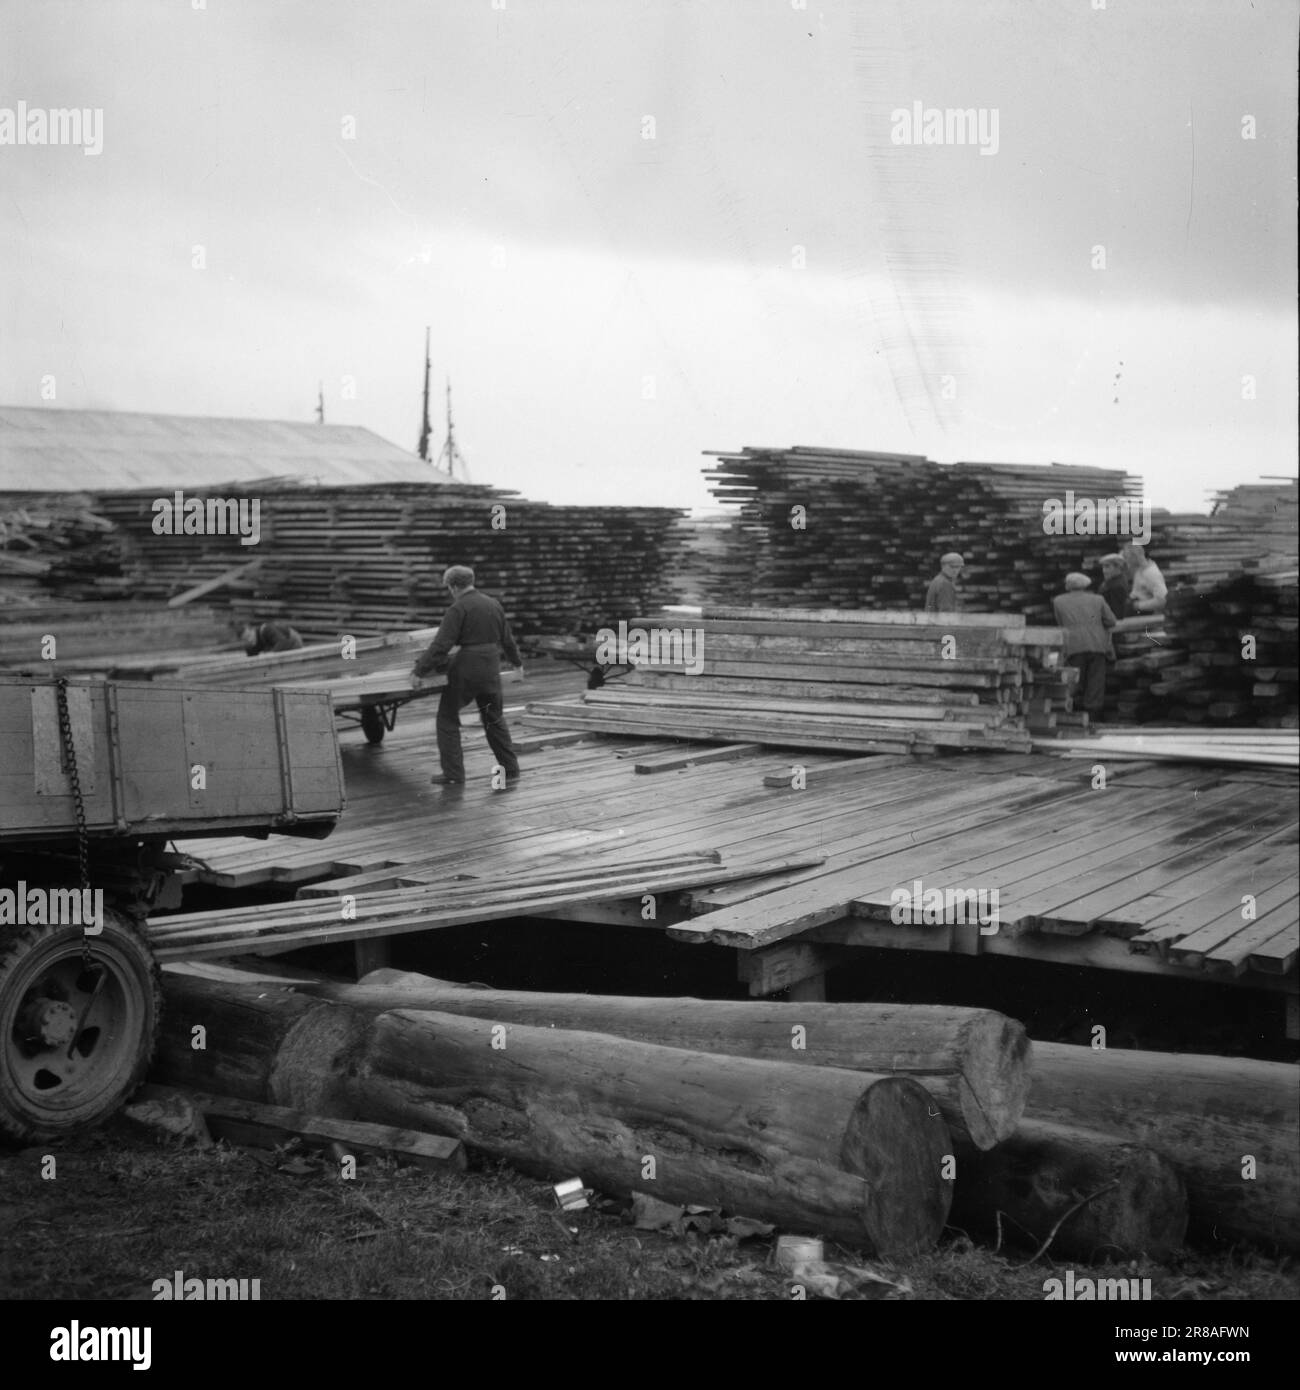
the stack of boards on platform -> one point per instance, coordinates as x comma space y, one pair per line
868, 682
845, 528
368, 560
52, 636
1226, 655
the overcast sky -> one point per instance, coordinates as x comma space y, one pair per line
772, 267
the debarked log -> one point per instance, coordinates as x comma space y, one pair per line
1114, 1199
1230, 1124
974, 1062
821, 1151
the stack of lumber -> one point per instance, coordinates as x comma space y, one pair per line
874, 682
1194, 668
1240, 747
873, 526
93, 636
57, 543
365, 560
444, 901
313, 662
1251, 528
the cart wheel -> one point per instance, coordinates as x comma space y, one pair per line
372, 724
74, 1041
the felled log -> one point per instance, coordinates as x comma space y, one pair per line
1136, 1201
815, 1150
257, 1043
844, 1154
1228, 1123
975, 1063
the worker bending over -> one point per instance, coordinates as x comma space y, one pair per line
1087, 621
474, 633
269, 637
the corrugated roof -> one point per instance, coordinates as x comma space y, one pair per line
59, 450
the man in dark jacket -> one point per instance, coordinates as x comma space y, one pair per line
1087, 621
468, 647
269, 637
1115, 584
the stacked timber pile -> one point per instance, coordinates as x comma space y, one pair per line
366, 560
54, 544
843, 528
1226, 655
875, 682
93, 636
1250, 528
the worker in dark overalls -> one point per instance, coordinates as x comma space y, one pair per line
269, 637
474, 633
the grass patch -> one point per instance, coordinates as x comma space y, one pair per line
126, 1208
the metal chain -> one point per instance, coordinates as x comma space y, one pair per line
78, 802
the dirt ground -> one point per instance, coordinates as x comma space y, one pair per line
125, 1207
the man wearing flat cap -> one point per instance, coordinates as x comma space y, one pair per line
942, 595
1087, 621
1115, 584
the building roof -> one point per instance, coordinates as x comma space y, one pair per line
56, 450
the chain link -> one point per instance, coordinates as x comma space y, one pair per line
78, 802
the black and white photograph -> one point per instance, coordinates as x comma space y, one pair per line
648, 653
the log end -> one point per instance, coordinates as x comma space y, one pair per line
1136, 1198
996, 1076
897, 1141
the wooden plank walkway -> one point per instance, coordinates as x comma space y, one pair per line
1182, 871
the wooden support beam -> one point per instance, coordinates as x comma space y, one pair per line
790, 965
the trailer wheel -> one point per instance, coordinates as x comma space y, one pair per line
74, 1041
372, 723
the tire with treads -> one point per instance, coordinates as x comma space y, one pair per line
372, 724
73, 1045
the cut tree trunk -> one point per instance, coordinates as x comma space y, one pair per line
1137, 1206
815, 1150
258, 1042
1229, 1124
844, 1154
974, 1062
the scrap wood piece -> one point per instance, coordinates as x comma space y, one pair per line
265, 1126
843, 771
672, 762
210, 585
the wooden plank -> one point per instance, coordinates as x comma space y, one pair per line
787, 964
831, 617
210, 585
673, 762
266, 1126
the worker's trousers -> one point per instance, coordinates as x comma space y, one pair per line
1092, 680
475, 674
